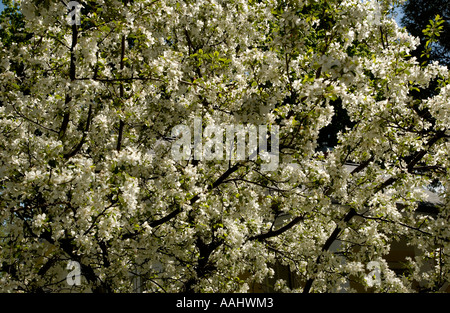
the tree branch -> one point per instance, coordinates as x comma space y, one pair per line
72, 75
279, 231
83, 138
334, 235
121, 94
393, 222
194, 199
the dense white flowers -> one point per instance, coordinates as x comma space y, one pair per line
87, 171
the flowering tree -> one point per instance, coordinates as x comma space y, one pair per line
88, 174
418, 13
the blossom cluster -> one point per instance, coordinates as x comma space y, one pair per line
87, 172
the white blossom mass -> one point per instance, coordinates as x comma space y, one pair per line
87, 174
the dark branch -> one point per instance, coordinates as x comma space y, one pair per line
334, 235
121, 94
279, 231
72, 75
194, 199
